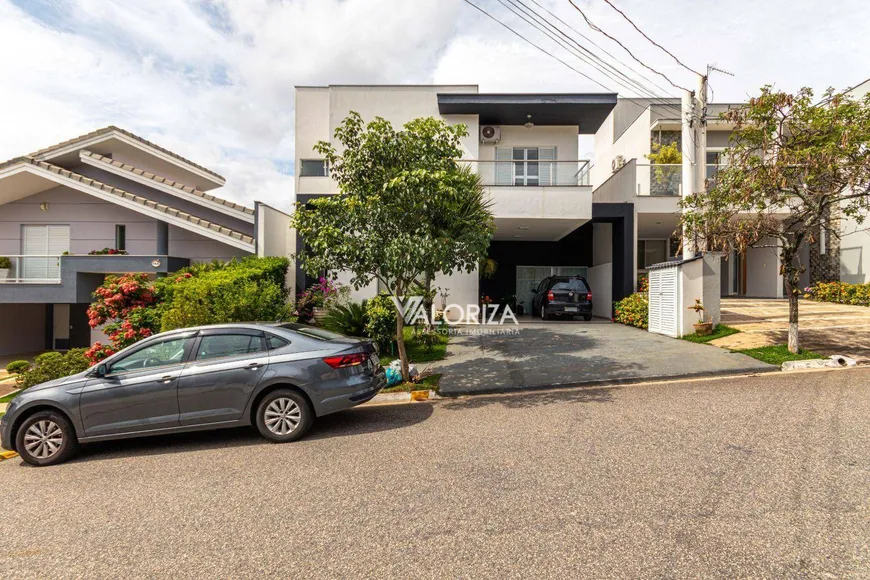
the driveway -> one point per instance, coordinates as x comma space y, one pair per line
543, 354
757, 477
824, 327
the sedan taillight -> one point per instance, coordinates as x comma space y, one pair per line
589, 296
550, 296
346, 360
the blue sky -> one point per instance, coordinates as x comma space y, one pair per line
213, 80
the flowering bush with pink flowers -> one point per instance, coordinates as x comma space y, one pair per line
125, 305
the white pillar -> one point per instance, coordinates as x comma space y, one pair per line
688, 152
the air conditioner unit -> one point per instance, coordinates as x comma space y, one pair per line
617, 163
490, 134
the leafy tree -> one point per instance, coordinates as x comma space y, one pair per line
793, 164
395, 219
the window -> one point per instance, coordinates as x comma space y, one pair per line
120, 237
275, 342
313, 168
651, 252
222, 345
167, 352
526, 166
572, 284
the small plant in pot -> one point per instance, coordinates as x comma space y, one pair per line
5, 265
701, 328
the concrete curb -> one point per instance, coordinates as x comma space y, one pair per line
610, 382
404, 397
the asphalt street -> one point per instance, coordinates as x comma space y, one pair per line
763, 477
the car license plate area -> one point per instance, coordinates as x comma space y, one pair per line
570, 309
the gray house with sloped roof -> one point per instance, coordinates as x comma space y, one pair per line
109, 189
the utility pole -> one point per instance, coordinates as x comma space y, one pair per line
687, 110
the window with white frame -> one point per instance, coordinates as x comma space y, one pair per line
525, 166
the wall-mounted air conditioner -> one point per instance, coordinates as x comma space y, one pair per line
617, 163
490, 134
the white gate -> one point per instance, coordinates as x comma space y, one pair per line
664, 301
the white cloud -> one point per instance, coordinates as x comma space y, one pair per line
214, 80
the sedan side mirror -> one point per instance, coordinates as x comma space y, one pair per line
102, 370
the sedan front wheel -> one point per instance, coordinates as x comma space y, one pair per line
284, 415
46, 438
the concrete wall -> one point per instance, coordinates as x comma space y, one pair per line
602, 243
22, 328
691, 287
633, 143
92, 227
600, 280
763, 279
564, 139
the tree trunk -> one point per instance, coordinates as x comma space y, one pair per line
793, 343
400, 343
428, 297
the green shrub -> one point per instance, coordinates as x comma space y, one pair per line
53, 365
247, 290
632, 310
5, 263
840, 292
381, 323
349, 319
17, 366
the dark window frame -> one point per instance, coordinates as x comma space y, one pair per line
121, 237
306, 168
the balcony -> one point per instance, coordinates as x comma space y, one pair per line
536, 200
72, 278
666, 179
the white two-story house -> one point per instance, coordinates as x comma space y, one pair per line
525, 147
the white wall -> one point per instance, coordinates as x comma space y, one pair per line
600, 280
691, 287
634, 143
854, 251
763, 279
461, 287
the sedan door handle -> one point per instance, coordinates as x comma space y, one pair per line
166, 378
254, 366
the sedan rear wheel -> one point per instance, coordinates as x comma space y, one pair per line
543, 312
284, 415
46, 438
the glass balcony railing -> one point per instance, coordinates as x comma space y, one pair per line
664, 179
534, 173
32, 270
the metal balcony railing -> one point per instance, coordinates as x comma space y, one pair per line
534, 173
663, 179
32, 270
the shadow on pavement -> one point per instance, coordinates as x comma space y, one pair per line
355, 421
522, 400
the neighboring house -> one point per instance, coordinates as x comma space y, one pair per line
525, 147
623, 174
109, 189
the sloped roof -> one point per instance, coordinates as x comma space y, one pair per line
159, 179
42, 153
120, 193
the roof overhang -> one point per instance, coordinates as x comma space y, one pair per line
664, 124
23, 177
585, 110
116, 142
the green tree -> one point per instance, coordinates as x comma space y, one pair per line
793, 163
402, 196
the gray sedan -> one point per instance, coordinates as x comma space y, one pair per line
276, 377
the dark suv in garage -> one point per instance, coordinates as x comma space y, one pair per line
563, 296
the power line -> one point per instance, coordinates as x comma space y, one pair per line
551, 55
642, 33
631, 86
597, 29
601, 48
637, 86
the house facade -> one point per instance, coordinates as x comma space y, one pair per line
525, 147
109, 189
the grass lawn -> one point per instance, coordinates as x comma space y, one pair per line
429, 382
416, 351
9, 397
776, 355
720, 331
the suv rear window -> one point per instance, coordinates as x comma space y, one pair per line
573, 284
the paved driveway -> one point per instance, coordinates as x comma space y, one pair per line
765, 477
572, 353
824, 327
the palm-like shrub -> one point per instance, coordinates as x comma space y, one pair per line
348, 319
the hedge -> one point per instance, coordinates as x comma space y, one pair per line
251, 289
839, 292
632, 310
53, 365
